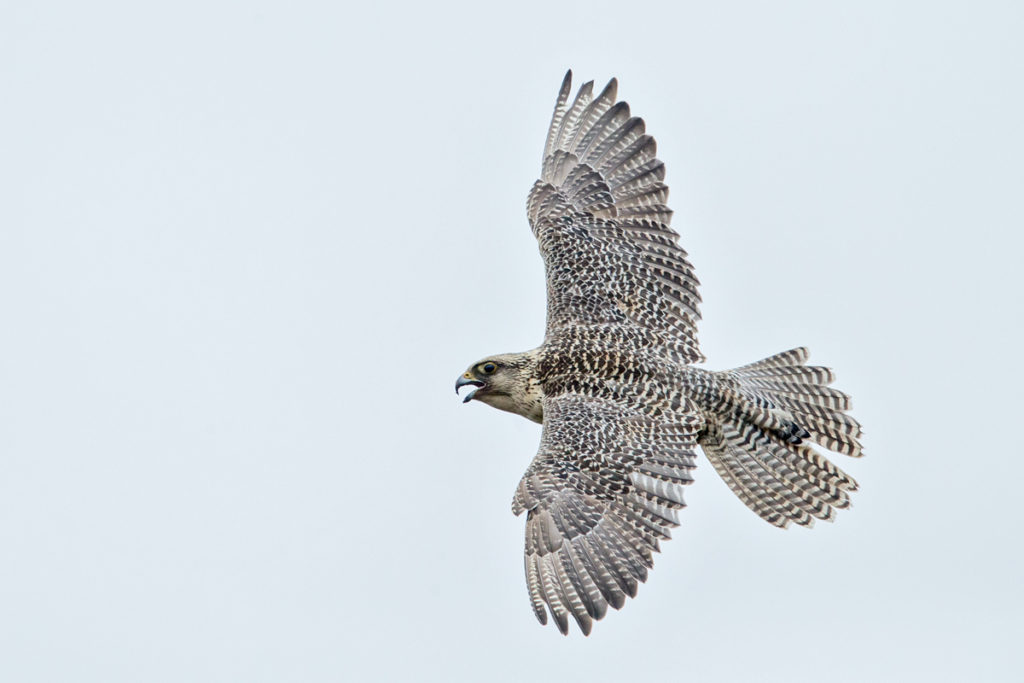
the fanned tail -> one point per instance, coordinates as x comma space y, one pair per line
758, 425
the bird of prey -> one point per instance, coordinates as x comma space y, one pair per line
615, 384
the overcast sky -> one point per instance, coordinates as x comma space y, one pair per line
246, 249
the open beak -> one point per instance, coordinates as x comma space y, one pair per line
463, 381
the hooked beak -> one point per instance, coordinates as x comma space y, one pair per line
463, 381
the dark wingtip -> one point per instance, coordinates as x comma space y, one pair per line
565, 88
611, 91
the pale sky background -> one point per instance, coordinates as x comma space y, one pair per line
246, 248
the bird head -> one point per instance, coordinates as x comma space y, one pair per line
488, 377
504, 382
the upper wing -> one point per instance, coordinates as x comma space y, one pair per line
599, 215
603, 489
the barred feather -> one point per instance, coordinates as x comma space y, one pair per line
764, 461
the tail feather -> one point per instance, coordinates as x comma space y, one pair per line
759, 421
799, 375
826, 397
762, 471
787, 489
803, 477
818, 469
797, 356
738, 480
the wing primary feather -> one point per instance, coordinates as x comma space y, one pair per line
553, 594
533, 583
593, 113
559, 114
572, 116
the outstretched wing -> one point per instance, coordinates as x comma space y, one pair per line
601, 493
600, 217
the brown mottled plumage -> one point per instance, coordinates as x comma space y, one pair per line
623, 407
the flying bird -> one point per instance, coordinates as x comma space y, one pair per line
615, 385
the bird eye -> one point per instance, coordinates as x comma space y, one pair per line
488, 368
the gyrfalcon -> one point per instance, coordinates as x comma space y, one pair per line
614, 383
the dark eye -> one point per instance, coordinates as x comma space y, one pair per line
488, 368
